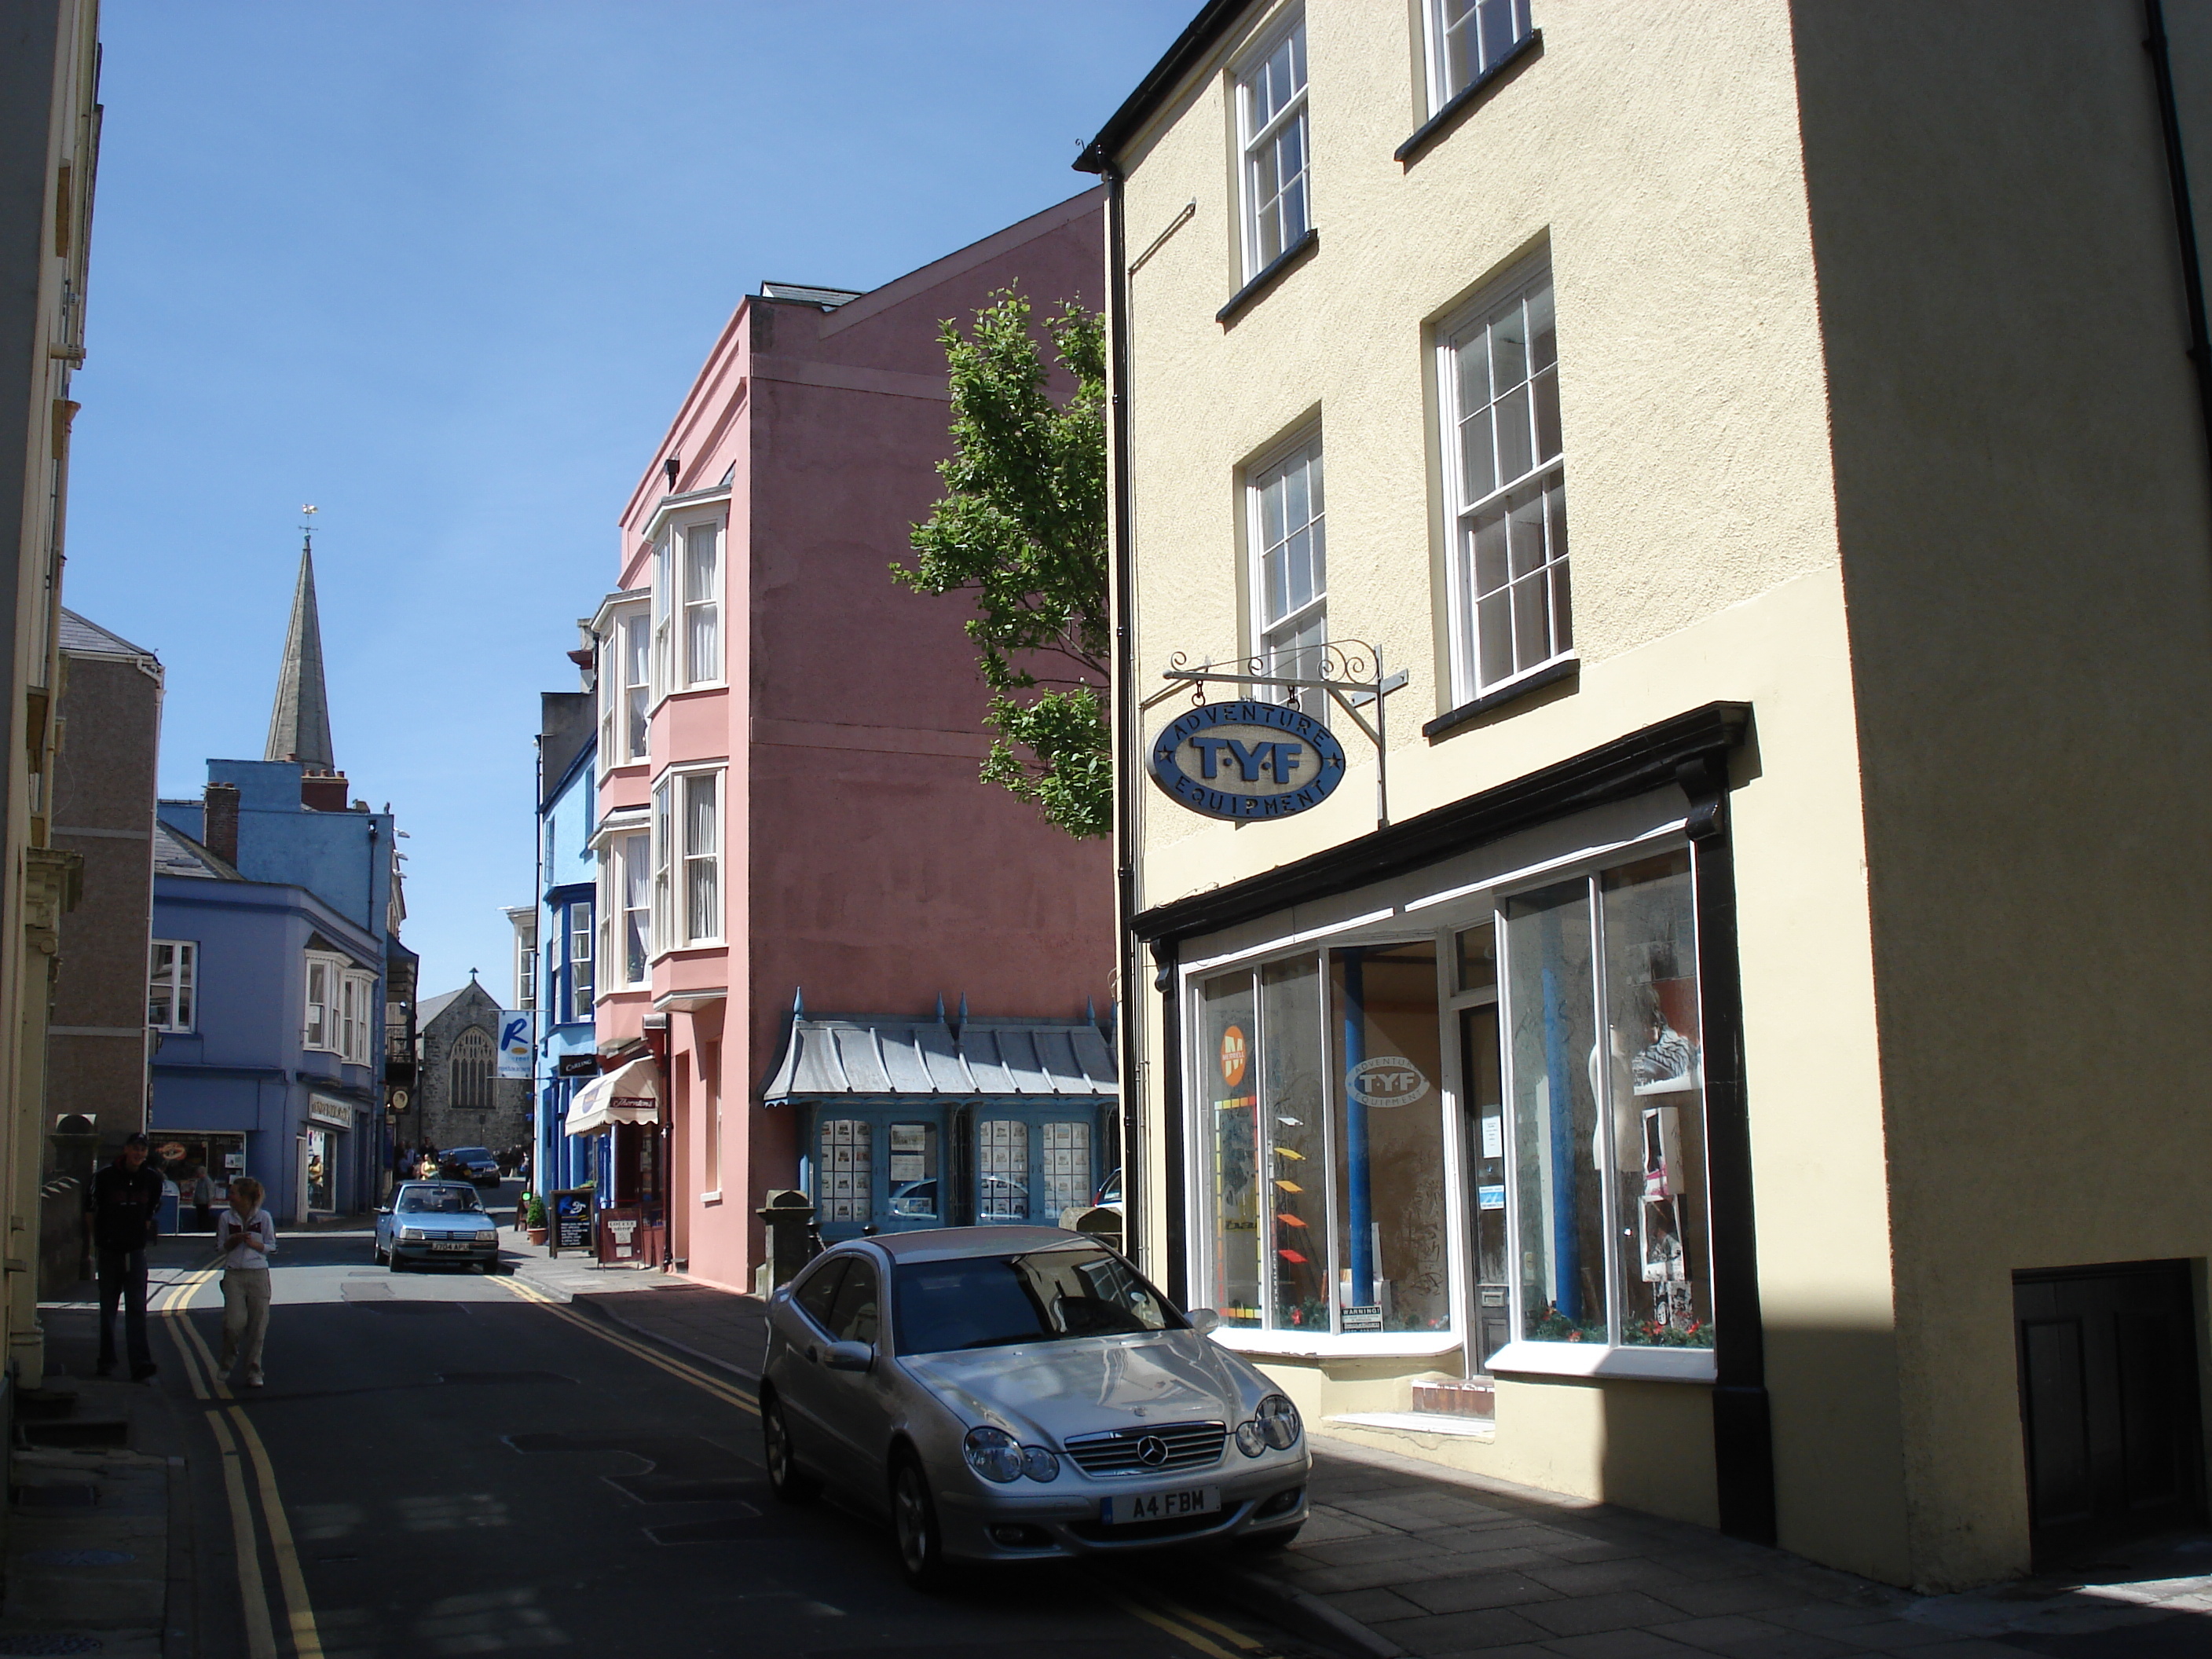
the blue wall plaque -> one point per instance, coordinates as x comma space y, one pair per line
1247, 760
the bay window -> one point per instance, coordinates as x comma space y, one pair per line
321, 1030
635, 877
626, 685
702, 607
687, 860
579, 985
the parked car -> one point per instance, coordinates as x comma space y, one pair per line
471, 1163
431, 1221
1015, 1394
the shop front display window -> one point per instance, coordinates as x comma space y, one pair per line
1066, 1169
1229, 1085
914, 1189
841, 1180
1608, 1109
1002, 1169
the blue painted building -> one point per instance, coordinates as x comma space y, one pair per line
276, 913
559, 937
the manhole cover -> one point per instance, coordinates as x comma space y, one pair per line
80, 1558
46, 1645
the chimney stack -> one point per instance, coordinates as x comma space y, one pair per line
325, 791
220, 811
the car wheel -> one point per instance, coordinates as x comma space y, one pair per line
377, 1251
1266, 1543
789, 1482
393, 1262
914, 1517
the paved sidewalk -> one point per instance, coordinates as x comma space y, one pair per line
718, 1326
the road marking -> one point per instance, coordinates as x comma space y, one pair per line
202, 1371
727, 1392
1175, 1627
260, 1638
307, 1641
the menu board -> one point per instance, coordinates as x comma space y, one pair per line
572, 1221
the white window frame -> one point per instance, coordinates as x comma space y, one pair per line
1465, 509
582, 920
525, 969
662, 682
674, 608
626, 683
357, 997
1485, 56
701, 607
1258, 134
1311, 615
677, 867
179, 974
320, 1031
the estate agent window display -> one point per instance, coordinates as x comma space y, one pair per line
1491, 1134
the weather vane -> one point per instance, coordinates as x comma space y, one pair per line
309, 528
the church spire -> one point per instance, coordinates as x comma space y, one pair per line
299, 725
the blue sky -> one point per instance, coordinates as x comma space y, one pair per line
444, 270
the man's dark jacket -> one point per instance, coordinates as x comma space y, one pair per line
126, 1206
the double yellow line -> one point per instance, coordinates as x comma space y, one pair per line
1208, 1636
230, 1436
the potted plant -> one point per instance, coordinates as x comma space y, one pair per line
535, 1213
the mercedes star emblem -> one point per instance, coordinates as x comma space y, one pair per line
1152, 1451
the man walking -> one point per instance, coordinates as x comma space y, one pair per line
124, 1203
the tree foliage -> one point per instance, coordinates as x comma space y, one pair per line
1023, 527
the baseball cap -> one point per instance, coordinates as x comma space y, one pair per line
135, 1138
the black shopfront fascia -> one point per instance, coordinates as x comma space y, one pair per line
1690, 751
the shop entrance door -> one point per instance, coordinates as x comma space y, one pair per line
1483, 1099
2108, 1403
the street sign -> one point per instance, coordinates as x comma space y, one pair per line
1247, 760
572, 1222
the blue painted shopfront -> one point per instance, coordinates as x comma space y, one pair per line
907, 1124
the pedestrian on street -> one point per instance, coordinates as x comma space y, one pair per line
124, 1206
245, 1238
204, 1201
401, 1162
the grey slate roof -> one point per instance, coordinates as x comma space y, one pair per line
90, 638
891, 1054
176, 854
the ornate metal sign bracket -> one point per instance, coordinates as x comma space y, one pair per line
1349, 675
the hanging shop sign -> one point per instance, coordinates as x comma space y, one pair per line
518, 1043
1247, 760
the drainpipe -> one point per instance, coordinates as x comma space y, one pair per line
2185, 216
1135, 1196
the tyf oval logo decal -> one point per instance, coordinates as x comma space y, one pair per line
1247, 760
1389, 1080
1233, 1055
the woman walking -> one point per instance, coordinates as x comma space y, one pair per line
245, 1238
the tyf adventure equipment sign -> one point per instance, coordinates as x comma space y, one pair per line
1247, 760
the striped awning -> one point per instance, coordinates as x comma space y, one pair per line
631, 1093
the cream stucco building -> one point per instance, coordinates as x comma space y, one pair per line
1749, 1063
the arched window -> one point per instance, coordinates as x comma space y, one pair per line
472, 1065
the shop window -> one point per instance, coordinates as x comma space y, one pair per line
1327, 1199
1607, 1111
1002, 1172
841, 1182
916, 1191
1067, 1168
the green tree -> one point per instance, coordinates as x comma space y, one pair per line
1023, 527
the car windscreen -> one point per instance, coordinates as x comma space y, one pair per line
1044, 1296
437, 1201
477, 1152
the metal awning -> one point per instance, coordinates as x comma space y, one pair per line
889, 1055
631, 1093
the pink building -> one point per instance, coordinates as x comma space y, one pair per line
787, 754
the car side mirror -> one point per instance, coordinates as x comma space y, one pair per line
385, 1210
1204, 1320
848, 1356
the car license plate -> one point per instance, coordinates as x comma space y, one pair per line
1161, 1505
449, 1244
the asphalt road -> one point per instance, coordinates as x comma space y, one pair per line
448, 1462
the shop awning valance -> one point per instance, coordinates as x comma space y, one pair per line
887, 1055
628, 1095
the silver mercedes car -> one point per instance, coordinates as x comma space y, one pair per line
1013, 1394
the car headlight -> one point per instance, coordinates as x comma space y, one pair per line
491, 1237
1039, 1464
994, 1454
1279, 1422
1251, 1439
416, 1233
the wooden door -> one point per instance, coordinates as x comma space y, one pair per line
2108, 1402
